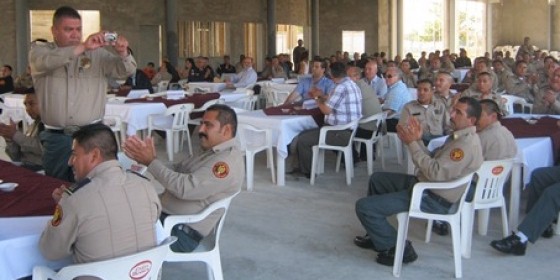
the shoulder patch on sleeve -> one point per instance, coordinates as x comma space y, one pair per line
456, 154
220, 169
57, 216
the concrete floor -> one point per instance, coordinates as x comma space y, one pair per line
300, 231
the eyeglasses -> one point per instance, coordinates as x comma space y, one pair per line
388, 76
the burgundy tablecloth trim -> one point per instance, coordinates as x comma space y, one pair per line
278, 111
197, 99
545, 127
33, 196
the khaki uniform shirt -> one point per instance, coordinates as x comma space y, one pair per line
200, 181
448, 101
370, 104
71, 89
497, 142
113, 215
409, 80
434, 117
496, 97
519, 87
540, 107
460, 155
26, 147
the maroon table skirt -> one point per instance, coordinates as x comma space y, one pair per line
544, 127
33, 195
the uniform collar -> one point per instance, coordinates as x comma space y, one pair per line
465, 131
102, 167
225, 145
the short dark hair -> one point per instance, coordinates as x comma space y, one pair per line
338, 70
226, 115
8, 66
324, 64
98, 136
65, 12
151, 64
473, 107
426, 81
490, 106
485, 74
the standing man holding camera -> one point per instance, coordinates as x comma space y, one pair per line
70, 78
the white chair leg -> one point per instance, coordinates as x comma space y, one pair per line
483, 217
402, 219
467, 220
558, 225
314, 164
321, 161
189, 141
169, 144
456, 236
270, 160
349, 166
429, 225
249, 169
369, 154
505, 228
338, 154
215, 269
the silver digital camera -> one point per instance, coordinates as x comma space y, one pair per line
111, 36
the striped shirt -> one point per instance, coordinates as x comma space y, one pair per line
345, 102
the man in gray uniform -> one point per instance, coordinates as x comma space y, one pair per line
197, 182
70, 78
389, 193
496, 140
108, 213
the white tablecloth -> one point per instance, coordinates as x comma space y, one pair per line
230, 96
16, 110
135, 115
19, 250
210, 87
284, 129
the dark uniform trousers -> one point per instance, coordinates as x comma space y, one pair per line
543, 203
57, 148
389, 194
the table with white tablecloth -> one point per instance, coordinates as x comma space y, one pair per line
532, 153
135, 115
284, 129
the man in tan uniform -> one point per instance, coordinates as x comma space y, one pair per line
496, 140
389, 193
547, 99
442, 85
431, 112
108, 213
520, 84
70, 78
197, 182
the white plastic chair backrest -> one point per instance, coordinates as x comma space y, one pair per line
180, 114
419, 188
141, 265
492, 176
208, 104
512, 99
113, 121
323, 133
224, 203
162, 86
250, 136
378, 119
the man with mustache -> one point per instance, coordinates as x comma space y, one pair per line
198, 181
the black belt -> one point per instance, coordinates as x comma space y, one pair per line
440, 200
69, 130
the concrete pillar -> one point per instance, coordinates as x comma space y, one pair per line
22, 36
171, 38
314, 28
271, 27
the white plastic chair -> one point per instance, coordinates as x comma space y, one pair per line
253, 141
246, 103
141, 265
375, 137
318, 163
175, 124
512, 99
208, 251
492, 176
162, 86
129, 164
202, 109
453, 219
116, 124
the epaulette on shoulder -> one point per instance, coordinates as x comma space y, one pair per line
77, 186
137, 174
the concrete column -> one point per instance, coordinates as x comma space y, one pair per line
171, 38
271, 27
314, 28
22, 36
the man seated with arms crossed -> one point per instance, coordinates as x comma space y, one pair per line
342, 106
108, 213
246, 77
317, 81
543, 205
429, 111
25, 147
196, 182
390, 193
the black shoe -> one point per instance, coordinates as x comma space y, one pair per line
388, 257
440, 228
548, 232
364, 242
510, 245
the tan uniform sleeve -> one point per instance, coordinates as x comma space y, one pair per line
198, 185
59, 236
44, 59
118, 67
28, 144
